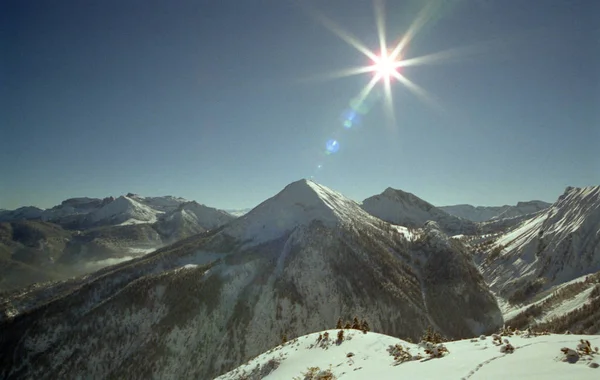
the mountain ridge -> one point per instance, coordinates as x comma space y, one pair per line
300, 275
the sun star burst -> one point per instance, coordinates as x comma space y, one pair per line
384, 67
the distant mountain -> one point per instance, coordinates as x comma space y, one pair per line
406, 209
557, 245
523, 208
82, 213
485, 213
22, 213
474, 213
85, 234
238, 212
206, 304
191, 218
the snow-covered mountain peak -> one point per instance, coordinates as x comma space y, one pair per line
299, 203
401, 195
123, 209
162, 203
406, 209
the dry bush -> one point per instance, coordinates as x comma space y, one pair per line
401, 354
429, 335
435, 350
315, 373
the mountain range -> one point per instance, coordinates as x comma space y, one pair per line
85, 234
485, 213
215, 297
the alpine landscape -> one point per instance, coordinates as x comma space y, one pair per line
195, 292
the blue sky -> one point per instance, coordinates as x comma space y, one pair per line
210, 100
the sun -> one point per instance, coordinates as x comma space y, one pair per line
385, 67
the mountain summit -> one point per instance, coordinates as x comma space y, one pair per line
406, 209
298, 204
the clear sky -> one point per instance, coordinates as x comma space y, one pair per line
218, 101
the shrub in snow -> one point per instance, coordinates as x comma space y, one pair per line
401, 354
507, 348
482, 337
364, 326
284, 339
496, 339
340, 337
594, 365
315, 373
259, 372
506, 331
434, 350
323, 341
356, 324
432, 336
584, 347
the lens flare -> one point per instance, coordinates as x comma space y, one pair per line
332, 146
385, 66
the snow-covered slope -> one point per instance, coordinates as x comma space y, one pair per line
555, 246
370, 356
165, 203
406, 209
191, 218
122, 210
206, 304
557, 302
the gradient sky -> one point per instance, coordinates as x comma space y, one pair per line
211, 100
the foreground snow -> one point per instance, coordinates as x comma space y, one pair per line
365, 356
